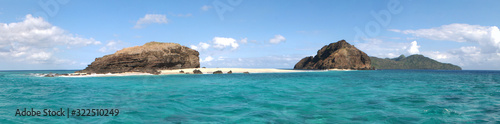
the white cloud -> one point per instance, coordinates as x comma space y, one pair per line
40, 56
437, 55
194, 47
214, 50
277, 39
200, 46
34, 40
244, 40
111, 46
468, 57
207, 59
218, 45
151, 18
413, 49
204, 45
206, 7
222, 42
382, 49
486, 36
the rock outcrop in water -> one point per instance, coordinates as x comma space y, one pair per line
150, 58
339, 55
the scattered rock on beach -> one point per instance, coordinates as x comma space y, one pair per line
217, 72
49, 75
196, 71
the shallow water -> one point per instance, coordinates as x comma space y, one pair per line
381, 96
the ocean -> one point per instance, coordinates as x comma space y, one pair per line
376, 96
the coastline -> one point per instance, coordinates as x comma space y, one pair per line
100, 75
233, 70
203, 70
340, 69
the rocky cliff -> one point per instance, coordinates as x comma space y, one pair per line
411, 62
339, 55
150, 58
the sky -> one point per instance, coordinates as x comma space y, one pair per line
70, 34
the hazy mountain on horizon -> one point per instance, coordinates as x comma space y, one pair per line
411, 62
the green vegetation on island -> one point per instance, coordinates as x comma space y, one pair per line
411, 62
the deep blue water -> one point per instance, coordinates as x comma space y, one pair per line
380, 96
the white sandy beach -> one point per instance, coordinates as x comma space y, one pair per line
103, 75
234, 70
203, 70
339, 69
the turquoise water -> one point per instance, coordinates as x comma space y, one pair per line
381, 96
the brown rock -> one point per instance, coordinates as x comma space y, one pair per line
339, 55
150, 58
196, 71
217, 72
230, 72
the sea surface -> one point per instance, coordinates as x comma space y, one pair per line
377, 96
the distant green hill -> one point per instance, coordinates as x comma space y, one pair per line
411, 62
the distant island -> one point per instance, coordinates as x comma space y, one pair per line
411, 62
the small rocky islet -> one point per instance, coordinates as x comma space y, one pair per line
148, 58
338, 55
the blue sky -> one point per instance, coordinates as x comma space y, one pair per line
70, 34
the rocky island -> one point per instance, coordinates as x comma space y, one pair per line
338, 55
149, 58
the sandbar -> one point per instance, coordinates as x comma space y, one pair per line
203, 70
